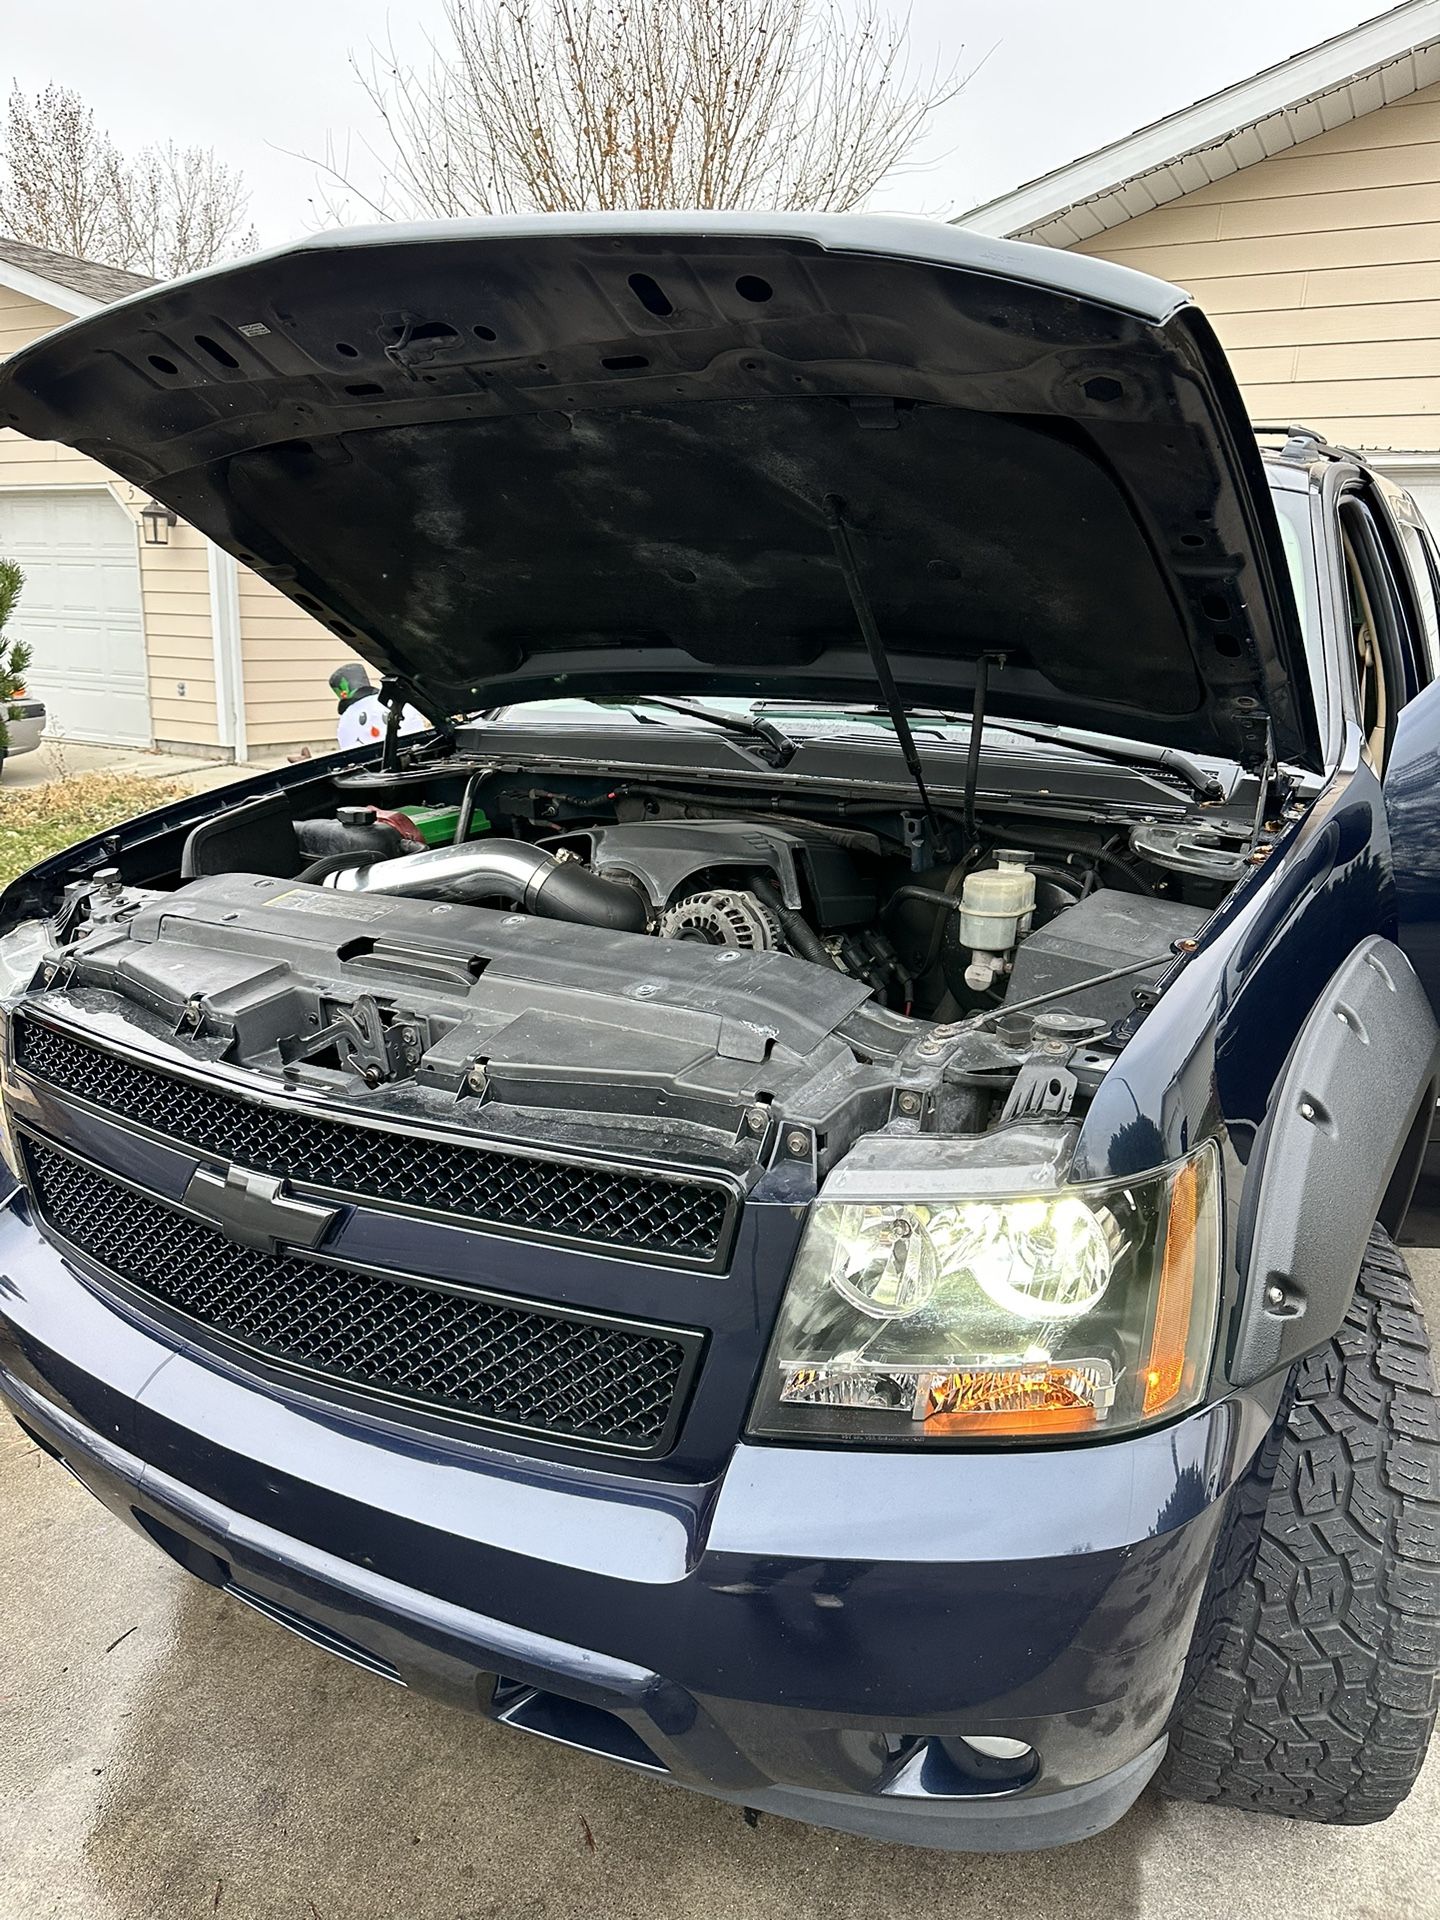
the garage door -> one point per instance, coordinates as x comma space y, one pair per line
80, 610
1423, 488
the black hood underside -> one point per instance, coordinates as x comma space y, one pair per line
517, 459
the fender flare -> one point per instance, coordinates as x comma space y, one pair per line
1338, 1141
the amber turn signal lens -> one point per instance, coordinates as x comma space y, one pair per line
1033, 1425
997, 1400
1165, 1368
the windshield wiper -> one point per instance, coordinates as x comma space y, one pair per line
742, 726
1104, 746
1100, 746
1126, 753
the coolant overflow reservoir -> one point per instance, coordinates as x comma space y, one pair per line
995, 908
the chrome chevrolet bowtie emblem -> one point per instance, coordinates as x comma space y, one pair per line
253, 1209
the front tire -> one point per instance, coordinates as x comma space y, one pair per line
1317, 1689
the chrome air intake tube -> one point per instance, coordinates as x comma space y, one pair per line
509, 870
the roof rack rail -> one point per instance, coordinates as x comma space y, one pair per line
1290, 426
1304, 444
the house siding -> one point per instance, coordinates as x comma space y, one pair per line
1320, 269
175, 595
286, 656
23, 320
288, 659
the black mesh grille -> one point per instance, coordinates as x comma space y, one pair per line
572, 1378
638, 1211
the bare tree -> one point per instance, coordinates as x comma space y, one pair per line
65, 184
548, 105
179, 208
54, 173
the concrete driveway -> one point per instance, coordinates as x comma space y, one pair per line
56, 760
165, 1753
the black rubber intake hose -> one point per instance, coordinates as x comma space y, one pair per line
800, 936
512, 870
329, 863
572, 892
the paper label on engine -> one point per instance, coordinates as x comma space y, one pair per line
317, 900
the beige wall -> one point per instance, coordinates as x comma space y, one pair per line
287, 656
23, 320
175, 593
288, 662
1321, 271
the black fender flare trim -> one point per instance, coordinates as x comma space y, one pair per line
1360, 1076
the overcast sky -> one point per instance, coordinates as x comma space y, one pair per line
1058, 78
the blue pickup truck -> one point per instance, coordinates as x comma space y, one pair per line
801, 1192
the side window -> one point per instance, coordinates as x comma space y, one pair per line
1385, 648
1418, 548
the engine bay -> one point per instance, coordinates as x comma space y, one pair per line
938, 942
653, 967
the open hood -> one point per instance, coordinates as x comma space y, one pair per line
507, 458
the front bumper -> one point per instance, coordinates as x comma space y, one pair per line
812, 1634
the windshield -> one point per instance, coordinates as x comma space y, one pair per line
792, 716
783, 724
576, 711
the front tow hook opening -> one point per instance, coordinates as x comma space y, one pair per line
572, 1723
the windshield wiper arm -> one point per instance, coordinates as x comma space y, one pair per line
1122, 752
1138, 753
742, 725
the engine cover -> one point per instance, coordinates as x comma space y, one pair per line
669, 859
586, 1037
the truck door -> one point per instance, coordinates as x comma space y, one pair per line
1392, 576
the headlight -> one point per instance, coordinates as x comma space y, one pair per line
1084, 1310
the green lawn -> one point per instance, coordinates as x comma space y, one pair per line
38, 821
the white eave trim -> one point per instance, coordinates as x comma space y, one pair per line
1399, 463
36, 287
1249, 121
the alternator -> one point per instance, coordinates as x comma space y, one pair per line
723, 920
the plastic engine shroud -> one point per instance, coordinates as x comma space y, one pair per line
666, 858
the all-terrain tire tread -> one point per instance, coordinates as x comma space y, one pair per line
1319, 1686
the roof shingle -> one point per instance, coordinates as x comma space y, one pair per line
89, 277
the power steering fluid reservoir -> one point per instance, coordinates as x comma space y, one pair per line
995, 909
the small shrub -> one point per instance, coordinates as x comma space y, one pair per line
14, 654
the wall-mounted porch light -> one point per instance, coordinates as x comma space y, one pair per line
158, 521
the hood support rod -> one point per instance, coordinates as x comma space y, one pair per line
977, 735
879, 659
396, 693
